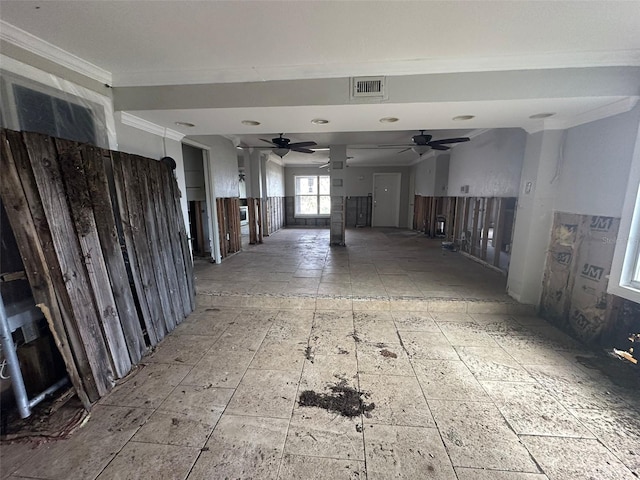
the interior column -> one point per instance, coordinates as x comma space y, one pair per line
337, 164
534, 217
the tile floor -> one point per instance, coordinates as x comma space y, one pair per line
465, 383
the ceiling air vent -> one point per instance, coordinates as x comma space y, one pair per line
368, 87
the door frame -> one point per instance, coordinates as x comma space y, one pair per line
398, 179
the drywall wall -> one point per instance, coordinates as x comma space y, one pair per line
432, 176
595, 163
490, 164
224, 164
275, 179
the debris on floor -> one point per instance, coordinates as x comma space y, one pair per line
51, 420
388, 354
308, 354
344, 400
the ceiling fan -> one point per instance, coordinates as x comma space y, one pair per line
422, 143
282, 146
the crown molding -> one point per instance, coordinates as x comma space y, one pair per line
150, 127
615, 108
42, 48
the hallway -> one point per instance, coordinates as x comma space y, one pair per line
449, 378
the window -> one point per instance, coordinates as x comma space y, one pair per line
35, 107
313, 196
625, 272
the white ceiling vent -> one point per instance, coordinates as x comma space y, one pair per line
368, 87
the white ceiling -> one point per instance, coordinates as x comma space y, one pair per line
143, 43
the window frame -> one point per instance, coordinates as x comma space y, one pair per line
624, 280
317, 195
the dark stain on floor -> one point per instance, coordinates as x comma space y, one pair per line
342, 399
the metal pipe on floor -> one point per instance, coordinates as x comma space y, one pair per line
42, 395
9, 350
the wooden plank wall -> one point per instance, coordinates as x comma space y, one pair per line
107, 296
229, 225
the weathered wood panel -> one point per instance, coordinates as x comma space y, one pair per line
84, 246
24, 210
145, 289
95, 160
46, 170
81, 209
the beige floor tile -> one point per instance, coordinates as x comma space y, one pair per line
382, 359
342, 301
493, 363
280, 355
398, 401
406, 453
448, 380
183, 349
476, 435
415, 321
595, 461
90, 449
149, 387
467, 334
265, 393
320, 433
531, 410
575, 389
376, 327
478, 474
618, 430
297, 467
138, 461
329, 370
332, 341
427, 346
242, 448
221, 367
172, 428
452, 317
197, 401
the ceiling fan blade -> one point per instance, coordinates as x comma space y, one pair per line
301, 150
439, 147
402, 151
449, 140
302, 144
269, 141
324, 165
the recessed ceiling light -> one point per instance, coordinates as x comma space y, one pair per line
251, 123
542, 115
462, 118
388, 120
319, 121
185, 124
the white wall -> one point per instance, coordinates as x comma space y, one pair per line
490, 164
224, 164
595, 166
275, 179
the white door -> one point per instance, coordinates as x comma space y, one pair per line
386, 199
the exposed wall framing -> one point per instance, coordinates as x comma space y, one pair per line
229, 225
479, 226
255, 220
274, 215
106, 257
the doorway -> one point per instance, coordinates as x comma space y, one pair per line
386, 199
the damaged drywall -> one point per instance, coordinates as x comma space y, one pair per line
577, 272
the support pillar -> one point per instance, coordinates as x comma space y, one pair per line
337, 165
534, 216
